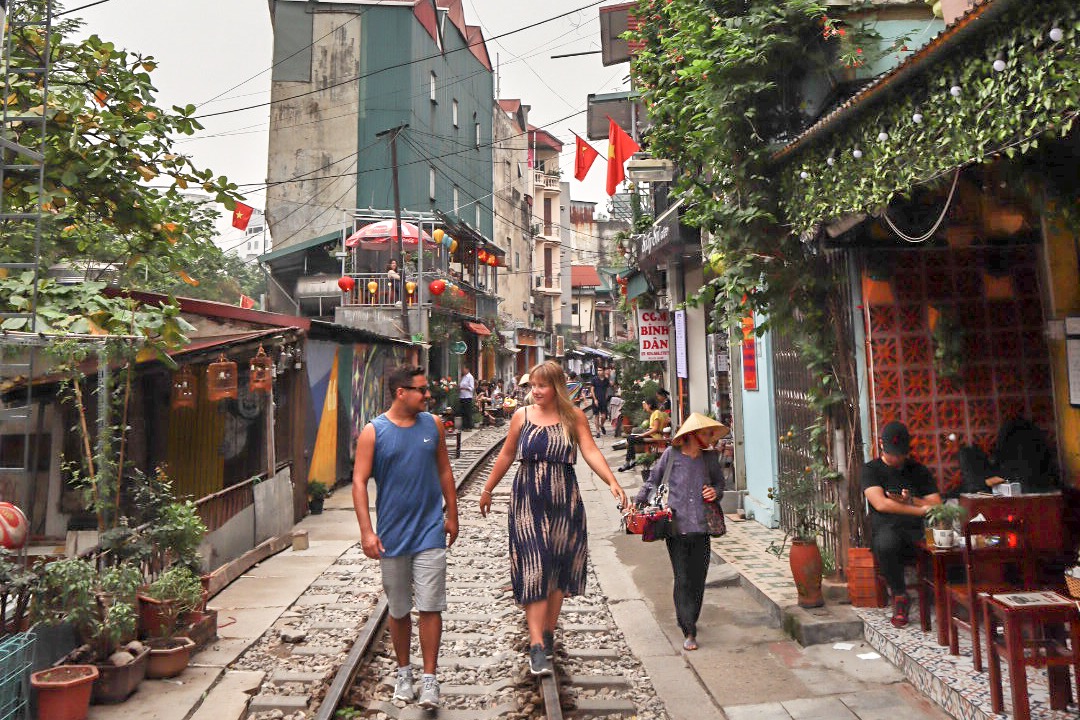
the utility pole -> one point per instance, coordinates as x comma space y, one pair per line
393, 133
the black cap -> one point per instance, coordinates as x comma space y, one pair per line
895, 438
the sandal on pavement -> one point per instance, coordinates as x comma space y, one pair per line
690, 643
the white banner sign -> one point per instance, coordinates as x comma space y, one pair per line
654, 333
680, 344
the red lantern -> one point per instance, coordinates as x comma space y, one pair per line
437, 287
14, 528
482, 256
221, 380
184, 388
492, 260
459, 292
260, 375
346, 283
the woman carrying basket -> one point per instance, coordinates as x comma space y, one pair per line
691, 470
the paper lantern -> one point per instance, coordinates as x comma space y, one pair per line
410, 287
261, 373
438, 235
437, 287
446, 241
492, 260
14, 529
453, 245
221, 380
482, 256
346, 283
184, 388
372, 286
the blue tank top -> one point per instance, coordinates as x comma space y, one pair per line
409, 501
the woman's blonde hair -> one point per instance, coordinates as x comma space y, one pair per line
551, 373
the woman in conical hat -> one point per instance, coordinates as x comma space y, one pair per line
695, 478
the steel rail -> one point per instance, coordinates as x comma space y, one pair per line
361, 649
549, 693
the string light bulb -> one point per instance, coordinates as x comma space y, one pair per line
999, 64
882, 136
917, 118
955, 91
1056, 34
830, 161
857, 153
804, 175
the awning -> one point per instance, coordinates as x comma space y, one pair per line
297, 247
596, 351
637, 285
477, 328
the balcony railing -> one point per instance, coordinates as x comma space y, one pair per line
548, 282
546, 181
375, 290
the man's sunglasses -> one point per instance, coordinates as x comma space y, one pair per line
423, 389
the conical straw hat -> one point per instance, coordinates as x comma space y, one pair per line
697, 421
524, 379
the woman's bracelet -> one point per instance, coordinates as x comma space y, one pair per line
485, 490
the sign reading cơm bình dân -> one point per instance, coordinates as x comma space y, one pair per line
654, 335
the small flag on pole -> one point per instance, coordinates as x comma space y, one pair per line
246, 302
584, 158
620, 147
241, 216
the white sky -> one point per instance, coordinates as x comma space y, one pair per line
217, 54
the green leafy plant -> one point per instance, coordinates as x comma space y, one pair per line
17, 583
177, 533
179, 591
944, 516
317, 490
948, 339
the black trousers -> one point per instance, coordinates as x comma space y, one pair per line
633, 447
466, 413
894, 547
690, 555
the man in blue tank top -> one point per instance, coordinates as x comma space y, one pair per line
404, 449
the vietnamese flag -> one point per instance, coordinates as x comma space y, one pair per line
584, 158
246, 302
241, 216
620, 147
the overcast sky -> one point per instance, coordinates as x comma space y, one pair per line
217, 54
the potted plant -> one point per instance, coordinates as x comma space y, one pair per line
317, 492
176, 591
100, 606
943, 519
798, 492
63, 693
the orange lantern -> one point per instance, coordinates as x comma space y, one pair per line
482, 256
372, 287
185, 388
492, 260
438, 235
221, 380
261, 373
410, 287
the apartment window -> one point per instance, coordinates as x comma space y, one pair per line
573, 308
476, 126
432, 88
477, 207
517, 261
454, 108
431, 182
457, 203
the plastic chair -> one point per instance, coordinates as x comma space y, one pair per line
1004, 565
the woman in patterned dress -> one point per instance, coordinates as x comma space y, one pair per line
548, 540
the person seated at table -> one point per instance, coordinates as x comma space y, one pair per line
900, 491
658, 420
1023, 454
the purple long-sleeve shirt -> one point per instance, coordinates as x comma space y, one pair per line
688, 477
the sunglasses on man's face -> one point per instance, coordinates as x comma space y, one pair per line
423, 389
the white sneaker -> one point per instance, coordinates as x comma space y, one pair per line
403, 688
429, 693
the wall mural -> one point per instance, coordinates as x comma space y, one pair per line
371, 363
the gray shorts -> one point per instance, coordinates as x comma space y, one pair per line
422, 575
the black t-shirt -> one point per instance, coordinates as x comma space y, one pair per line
914, 476
601, 388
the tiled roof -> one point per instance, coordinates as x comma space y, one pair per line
584, 276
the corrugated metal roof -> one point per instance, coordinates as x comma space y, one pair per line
919, 61
584, 276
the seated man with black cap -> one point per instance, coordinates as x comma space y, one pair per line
900, 491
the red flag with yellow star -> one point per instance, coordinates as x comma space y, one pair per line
584, 158
620, 147
242, 216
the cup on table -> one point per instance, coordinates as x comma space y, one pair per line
944, 538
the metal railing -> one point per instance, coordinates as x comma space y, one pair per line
549, 282
218, 508
375, 290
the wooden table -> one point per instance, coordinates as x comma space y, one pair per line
933, 565
1019, 654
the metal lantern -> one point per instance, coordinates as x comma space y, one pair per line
184, 388
261, 372
221, 380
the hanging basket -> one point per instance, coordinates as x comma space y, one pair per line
185, 388
221, 380
261, 372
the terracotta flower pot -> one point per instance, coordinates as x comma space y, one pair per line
807, 569
168, 656
116, 683
151, 617
64, 692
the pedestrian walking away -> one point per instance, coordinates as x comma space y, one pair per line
601, 389
691, 470
466, 389
900, 491
548, 537
404, 449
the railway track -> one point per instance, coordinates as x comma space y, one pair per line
483, 661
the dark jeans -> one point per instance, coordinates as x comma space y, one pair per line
690, 555
633, 446
894, 547
466, 413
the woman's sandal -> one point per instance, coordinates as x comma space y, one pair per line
690, 643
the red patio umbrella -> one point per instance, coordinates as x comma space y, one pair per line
379, 235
